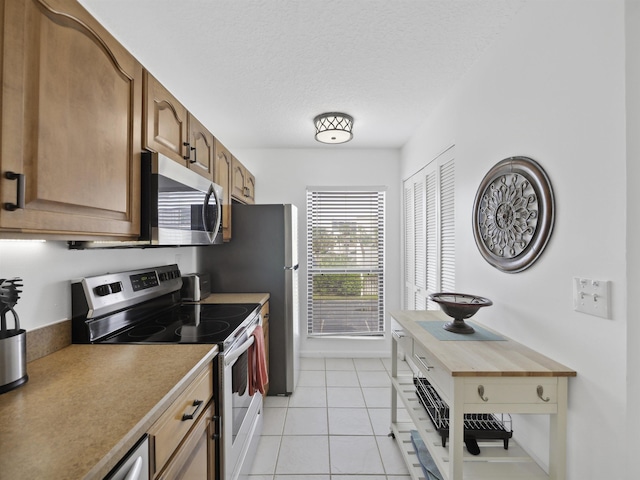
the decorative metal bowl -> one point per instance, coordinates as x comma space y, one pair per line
459, 306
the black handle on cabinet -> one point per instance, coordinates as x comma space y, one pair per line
20, 177
191, 416
189, 150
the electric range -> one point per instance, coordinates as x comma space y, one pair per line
144, 307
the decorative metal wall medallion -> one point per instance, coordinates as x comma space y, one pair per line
513, 214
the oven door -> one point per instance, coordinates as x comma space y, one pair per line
242, 414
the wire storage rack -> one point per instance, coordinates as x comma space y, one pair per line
477, 426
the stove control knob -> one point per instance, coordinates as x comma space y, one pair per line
115, 287
102, 290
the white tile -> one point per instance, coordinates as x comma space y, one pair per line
301, 477
308, 397
264, 462
354, 455
391, 456
349, 421
380, 420
276, 401
260, 477
354, 477
368, 364
345, 397
377, 397
303, 455
339, 364
309, 363
311, 378
342, 379
273, 420
306, 421
374, 379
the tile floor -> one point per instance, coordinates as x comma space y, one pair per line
333, 427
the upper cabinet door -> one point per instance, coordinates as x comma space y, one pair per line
222, 177
200, 150
165, 121
71, 113
243, 183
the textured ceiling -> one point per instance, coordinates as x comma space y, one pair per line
256, 72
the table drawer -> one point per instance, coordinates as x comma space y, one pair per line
175, 422
511, 391
405, 341
432, 370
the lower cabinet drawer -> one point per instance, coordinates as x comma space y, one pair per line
194, 458
170, 429
499, 391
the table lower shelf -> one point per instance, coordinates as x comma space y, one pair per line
493, 463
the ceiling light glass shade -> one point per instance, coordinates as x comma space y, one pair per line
333, 127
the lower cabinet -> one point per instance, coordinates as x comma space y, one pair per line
182, 443
195, 458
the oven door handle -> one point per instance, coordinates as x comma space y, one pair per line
233, 356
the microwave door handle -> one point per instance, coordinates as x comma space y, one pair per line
212, 234
233, 356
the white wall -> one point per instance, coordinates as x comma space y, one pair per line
282, 177
48, 268
552, 88
633, 224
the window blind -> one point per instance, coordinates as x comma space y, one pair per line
345, 262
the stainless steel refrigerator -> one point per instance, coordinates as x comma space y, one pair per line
262, 256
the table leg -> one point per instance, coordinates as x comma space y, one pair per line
456, 431
558, 435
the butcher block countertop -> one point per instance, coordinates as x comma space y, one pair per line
468, 358
260, 298
85, 406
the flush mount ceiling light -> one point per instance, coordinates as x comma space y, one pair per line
333, 127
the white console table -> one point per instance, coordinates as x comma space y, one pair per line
500, 376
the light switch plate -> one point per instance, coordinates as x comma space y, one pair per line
592, 296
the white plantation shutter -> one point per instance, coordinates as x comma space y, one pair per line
431, 246
447, 228
345, 261
409, 247
429, 243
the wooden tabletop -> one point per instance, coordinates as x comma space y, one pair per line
469, 358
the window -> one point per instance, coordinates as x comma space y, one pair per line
345, 261
429, 232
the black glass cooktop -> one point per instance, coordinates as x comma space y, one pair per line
189, 323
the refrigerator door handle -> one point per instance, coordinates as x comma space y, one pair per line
295, 267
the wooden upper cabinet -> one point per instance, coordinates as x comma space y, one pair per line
165, 121
222, 176
243, 183
171, 130
200, 149
71, 131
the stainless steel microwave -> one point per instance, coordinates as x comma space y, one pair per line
178, 207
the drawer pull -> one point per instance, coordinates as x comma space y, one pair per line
481, 393
190, 416
422, 361
540, 391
